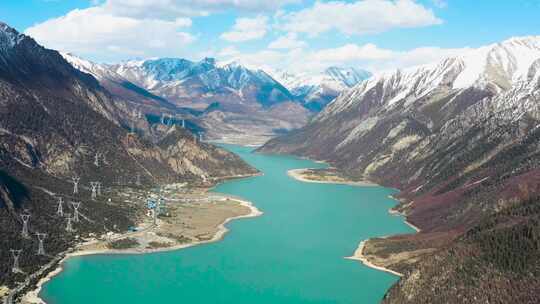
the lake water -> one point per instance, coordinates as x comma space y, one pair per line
294, 253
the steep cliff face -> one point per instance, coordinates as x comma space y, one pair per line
459, 137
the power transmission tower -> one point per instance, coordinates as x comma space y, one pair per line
16, 254
60, 210
76, 206
69, 226
41, 237
25, 217
75, 180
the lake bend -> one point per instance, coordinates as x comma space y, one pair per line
294, 253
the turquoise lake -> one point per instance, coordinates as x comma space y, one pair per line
294, 253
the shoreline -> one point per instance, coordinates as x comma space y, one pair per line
33, 295
359, 256
397, 213
251, 144
297, 174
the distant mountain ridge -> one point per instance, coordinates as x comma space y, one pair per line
177, 79
316, 91
461, 139
245, 101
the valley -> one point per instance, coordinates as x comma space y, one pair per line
295, 251
415, 180
86, 147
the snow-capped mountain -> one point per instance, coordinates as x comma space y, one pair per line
236, 100
347, 76
120, 86
228, 100
316, 91
8, 37
491, 69
403, 127
197, 83
459, 137
99, 71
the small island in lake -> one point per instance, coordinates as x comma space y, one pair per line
325, 175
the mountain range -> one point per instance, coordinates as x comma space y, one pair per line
460, 139
228, 100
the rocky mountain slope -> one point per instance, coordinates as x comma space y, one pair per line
56, 123
460, 138
316, 91
120, 87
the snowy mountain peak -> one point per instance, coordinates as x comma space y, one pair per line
501, 63
209, 61
348, 76
492, 69
533, 41
9, 37
77, 62
317, 90
181, 79
99, 71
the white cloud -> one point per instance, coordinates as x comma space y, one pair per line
265, 59
359, 17
373, 58
424, 55
367, 56
352, 52
245, 29
118, 29
289, 41
228, 52
96, 33
170, 9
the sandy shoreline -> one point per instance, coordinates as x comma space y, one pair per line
297, 174
33, 296
359, 256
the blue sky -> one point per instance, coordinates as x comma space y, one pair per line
287, 34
